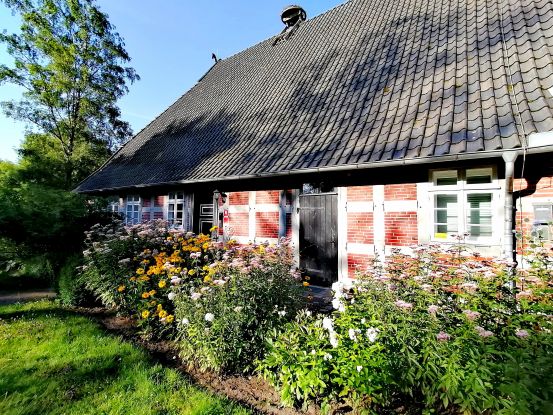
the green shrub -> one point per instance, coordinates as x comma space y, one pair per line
225, 319
440, 331
71, 288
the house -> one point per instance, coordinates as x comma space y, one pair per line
376, 125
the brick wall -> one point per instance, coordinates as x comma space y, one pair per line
271, 197
401, 228
266, 224
358, 262
239, 198
239, 224
360, 193
360, 228
406, 191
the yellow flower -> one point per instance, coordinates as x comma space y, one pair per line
214, 228
162, 283
145, 295
205, 245
144, 278
207, 279
159, 307
140, 271
191, 272
153, 292
121, 288
133, 279
169, 318
162, 313
145, 314
305, 284
153, 303
169, 238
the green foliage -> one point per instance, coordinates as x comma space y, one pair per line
71, 288
224, 321
440, 330
70, 62
55, 361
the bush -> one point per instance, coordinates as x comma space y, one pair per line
225, 318
71, 288
441, 330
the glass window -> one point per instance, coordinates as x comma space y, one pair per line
446, 215
179, 210
466, 205
132, 210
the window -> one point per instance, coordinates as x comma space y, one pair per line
179, 210
113, 205
463, 203
543, 219
132, 210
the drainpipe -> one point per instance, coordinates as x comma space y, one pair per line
509, 252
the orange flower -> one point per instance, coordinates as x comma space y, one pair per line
121, 288
145, 295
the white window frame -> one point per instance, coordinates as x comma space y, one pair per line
113, 206
133, 206
462, 189
187, 200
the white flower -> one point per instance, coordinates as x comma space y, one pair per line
372, 334
363, 320
195, 296
313, 352
333, 339
336, 303
209, 317
171, 296
327, 356
328, 324
359, 368
352, 334
237, 309
185, 321
282, 313
308, 313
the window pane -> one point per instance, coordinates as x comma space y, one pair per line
479, 176
445, 178
479, 215
445, 216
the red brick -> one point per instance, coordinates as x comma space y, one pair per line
401, 228
404, 191
360, 194
360, 228
239, 198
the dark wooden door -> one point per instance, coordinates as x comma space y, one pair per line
319, 237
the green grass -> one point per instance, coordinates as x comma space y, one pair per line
53, 361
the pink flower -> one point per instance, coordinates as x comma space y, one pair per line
522, 333
482, 332
442, 336
433, 309
471, 315
524, 294
403, 304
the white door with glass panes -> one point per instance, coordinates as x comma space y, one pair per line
180, 206
465, 203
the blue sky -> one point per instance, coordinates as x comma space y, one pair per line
170, 43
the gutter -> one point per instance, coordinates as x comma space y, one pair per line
546, 139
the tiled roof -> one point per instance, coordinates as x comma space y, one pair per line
366, 82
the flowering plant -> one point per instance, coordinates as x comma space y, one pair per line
225, 317
137, 268
443, 329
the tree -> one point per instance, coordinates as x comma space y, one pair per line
69, 61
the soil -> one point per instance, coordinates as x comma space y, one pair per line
251, 391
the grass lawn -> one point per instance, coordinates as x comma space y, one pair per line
53, 361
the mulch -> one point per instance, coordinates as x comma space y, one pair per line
250, 391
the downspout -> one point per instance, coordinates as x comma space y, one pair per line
509, 252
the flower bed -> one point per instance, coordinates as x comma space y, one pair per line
442, 329
218, 301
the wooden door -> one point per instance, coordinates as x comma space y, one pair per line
319, 237
203, 213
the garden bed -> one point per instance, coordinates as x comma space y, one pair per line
251, 391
